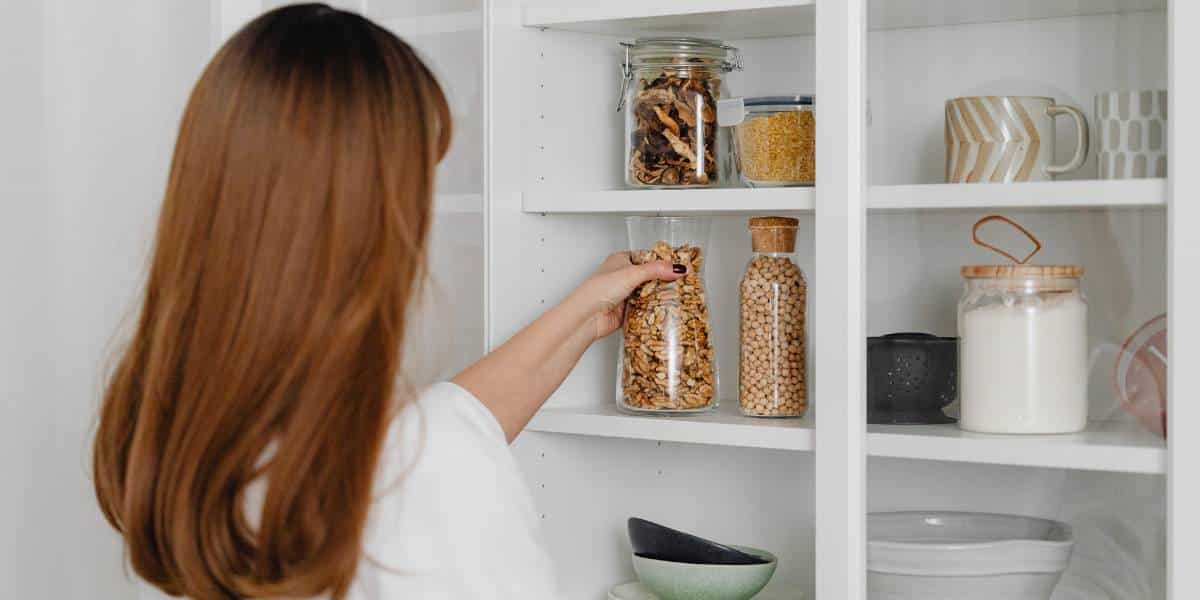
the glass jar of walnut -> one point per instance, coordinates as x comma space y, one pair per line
772, 295
669, 93
667, 364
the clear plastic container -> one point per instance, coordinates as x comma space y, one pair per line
774, 139
773, 294
667, 363
669, 93
1023, 353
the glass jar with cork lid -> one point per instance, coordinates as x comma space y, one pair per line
772, 294
1023, 348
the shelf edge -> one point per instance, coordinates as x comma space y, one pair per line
673, 429
556, 13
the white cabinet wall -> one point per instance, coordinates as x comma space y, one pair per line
92, 94
532, 197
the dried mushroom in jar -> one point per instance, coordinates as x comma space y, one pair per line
667, 361
673, 129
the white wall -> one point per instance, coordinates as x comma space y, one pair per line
90, 102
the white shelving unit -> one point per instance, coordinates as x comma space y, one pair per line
745, 19
704, 18
881, 241
707, 201
1115, 446
1105, 446
723, 427
1131, 193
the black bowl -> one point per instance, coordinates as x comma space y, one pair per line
651, 540
911, 377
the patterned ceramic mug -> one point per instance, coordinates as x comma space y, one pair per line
1002, 139
1133, 134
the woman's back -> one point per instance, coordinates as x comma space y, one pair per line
451, 517
291, 240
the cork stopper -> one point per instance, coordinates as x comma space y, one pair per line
773, 234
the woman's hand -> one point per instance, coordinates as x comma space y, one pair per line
516, 378
604, 293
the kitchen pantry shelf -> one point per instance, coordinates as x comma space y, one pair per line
698, 201
1118, 446
1089, 193
744, 19
718, 19
1131, 193
1104, 446
723, 427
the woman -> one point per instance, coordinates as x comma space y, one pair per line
253, 440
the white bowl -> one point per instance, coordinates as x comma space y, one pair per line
959, 556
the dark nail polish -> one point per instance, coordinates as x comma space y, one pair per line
679, 268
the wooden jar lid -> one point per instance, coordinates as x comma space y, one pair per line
1022, 271
773, 234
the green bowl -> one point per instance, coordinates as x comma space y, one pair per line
686, 581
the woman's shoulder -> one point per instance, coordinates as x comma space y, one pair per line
449, 406
444, 431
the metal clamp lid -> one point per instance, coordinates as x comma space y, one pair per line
732, 63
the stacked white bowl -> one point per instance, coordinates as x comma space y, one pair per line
964, 556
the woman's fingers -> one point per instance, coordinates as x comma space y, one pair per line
614, 262
660, 269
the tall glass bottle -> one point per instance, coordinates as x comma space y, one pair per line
667, 362
773, 292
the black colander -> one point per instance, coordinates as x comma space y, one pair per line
911, 377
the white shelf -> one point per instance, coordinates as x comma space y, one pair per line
1133, 193
1045, 194
720, 19
904, 14
707, 200
745, 19
454, 22
1104, 446
723, 427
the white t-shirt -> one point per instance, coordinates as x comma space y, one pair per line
452, 516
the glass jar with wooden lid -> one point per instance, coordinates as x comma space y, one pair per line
773, 296
1023, 345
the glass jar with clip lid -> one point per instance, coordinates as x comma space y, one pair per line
669, 92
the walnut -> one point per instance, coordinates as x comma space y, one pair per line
667, 360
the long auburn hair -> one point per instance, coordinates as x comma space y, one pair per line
291, 240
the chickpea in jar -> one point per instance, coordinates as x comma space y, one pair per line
772, 295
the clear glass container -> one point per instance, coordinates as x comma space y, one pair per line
1023, 349
772, 295
669, 95
774, 139
667, 362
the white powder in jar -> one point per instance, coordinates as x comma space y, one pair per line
1023, 366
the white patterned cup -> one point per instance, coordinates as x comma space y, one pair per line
1133, 134
1003, 139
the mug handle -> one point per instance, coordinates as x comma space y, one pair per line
1081, 138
